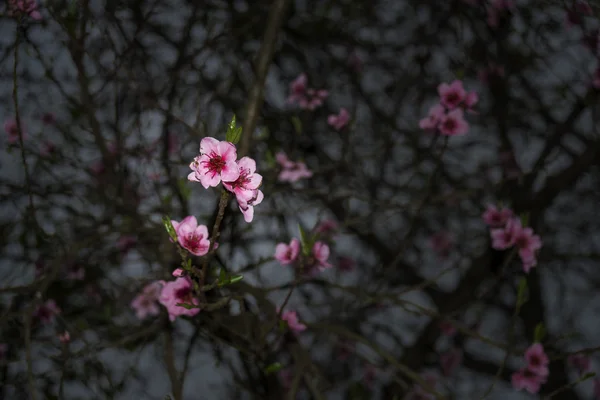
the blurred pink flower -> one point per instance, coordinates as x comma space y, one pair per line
453, 123
346, 264
287, 254
496, 218
320, 252
339, 121
12, 129
47, 311
451, 95
126, 243
28, 7
291, 317
64, 337
433, 118
176, 292
526, 379
447, 328
145, 303
580, 362
291, 171
537, 360
441, 243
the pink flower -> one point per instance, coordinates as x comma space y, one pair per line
245, 187
447, 328
338, 122
537, 360
527, 243
504, 238
126, 243
320, 252
46, 312
441, 243
48, 149
144, 303
580, 362
292, 320
451, 95
191, 236
450, 360
291, 171
453, 123
431, 122
471, 99
315, 98
215, 163
12, 129
496, 218
179, 291
346, 264
327, 227
178, 272
298, 89
287, 254
527, 380
529, 263
64, 337
28, 7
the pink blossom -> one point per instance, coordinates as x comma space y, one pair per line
496, 218
298, 89
144, 303
287, 254
178, 272
339, 121
126, 243
503, 238
529, 263
48, 149
327, 227
447, 328
28, 7
451, 95
320, 252
453, 123
45, 312
291, 317
179, 291
64, 337
346, 264
537, 360
450, 360
431, 122
215, 163
245, 187
471, 99
315, 98
527, 243
291, 171
526, 379
12, 129
580, 362
441, 243
191, 236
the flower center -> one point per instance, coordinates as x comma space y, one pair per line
192, 241
184, 295
450, 124
243, 179
215, 164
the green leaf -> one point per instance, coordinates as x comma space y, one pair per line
271, 369
234, 133
236, 278
540, 332
169, 227
297, 124
187, 306
305, 241
222, 277
525, 219
270, 158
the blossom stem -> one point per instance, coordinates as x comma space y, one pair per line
215, 233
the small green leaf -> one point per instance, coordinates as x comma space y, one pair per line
187, 306
297, 124
271, 369
282, 325
525, 219
233, 133
236, 278
540, 332
169, 227
305, 241
270, 158
222, 277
